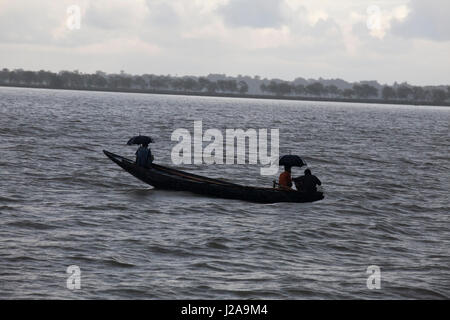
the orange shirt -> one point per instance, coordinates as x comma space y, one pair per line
285, 180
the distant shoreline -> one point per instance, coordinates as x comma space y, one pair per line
248, 96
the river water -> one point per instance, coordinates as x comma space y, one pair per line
385, 173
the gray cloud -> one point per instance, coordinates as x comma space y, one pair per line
162, 14
252, 13
114, 15
21, 23
427, 19
195, 37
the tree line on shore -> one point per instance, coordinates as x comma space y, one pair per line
122, 81
403, 92
223, 85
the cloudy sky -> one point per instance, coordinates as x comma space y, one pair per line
395, 40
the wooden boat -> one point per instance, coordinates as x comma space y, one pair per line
167, 178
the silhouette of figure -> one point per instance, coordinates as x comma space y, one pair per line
144, 157
307, 183
285, 181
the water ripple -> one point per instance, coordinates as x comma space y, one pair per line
63, 203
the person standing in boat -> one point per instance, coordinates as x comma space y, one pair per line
285, 180
144, 157
307, 183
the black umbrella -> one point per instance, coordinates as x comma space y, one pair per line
140, 140
291, 161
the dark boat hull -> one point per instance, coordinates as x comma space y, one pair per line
170, 179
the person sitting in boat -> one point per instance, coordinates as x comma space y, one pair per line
144, 157
307, 183
285, 180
